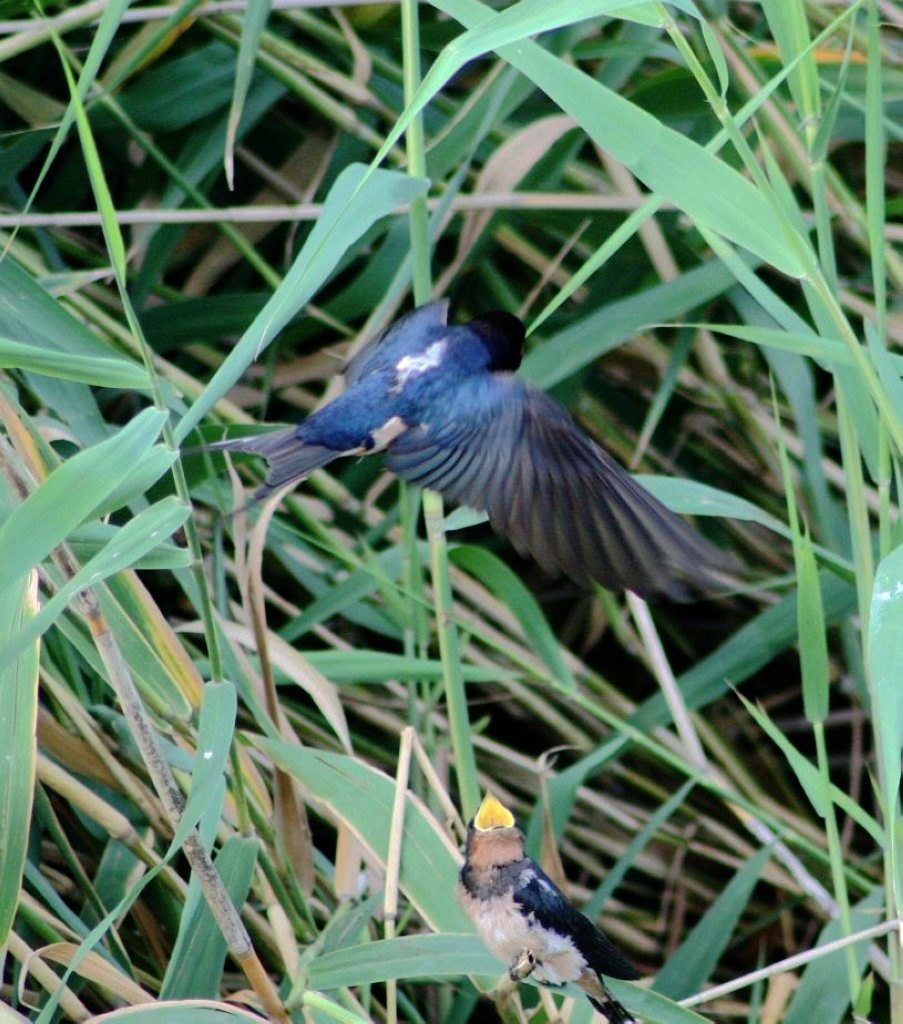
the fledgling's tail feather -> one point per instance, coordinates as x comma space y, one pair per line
611, 1009
289, 459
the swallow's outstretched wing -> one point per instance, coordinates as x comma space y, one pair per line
514, 452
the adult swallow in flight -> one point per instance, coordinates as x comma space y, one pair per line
444, 403
527, 921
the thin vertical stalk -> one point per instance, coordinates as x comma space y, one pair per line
876, 215
449, 649
418, 225
450, 653
414, 145
835, 855
393, 859
416, 631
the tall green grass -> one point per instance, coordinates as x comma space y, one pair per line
694, 209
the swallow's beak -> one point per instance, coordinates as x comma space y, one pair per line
492, 814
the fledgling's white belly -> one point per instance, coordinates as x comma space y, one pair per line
506, 931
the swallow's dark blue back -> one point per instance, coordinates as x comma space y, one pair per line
407, 336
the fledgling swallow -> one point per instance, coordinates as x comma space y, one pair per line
445, 405
527, 921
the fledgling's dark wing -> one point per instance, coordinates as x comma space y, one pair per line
396, 340
542, 898
514, 452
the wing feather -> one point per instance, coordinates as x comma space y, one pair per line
542, 898
514, 452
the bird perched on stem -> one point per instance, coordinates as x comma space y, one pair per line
444, 403
526, 920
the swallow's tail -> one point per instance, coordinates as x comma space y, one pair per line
599, 995
612, 1010
289, 459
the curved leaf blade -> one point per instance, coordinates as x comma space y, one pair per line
355, 203
362, 798
70, 493
18, 719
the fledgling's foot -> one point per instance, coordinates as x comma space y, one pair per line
522, 966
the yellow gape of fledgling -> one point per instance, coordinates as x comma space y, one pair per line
527, 921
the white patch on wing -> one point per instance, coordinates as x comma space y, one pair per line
413, 366
387, 433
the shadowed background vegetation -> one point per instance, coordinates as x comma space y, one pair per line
696, 209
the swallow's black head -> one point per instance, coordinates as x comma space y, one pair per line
503, 334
